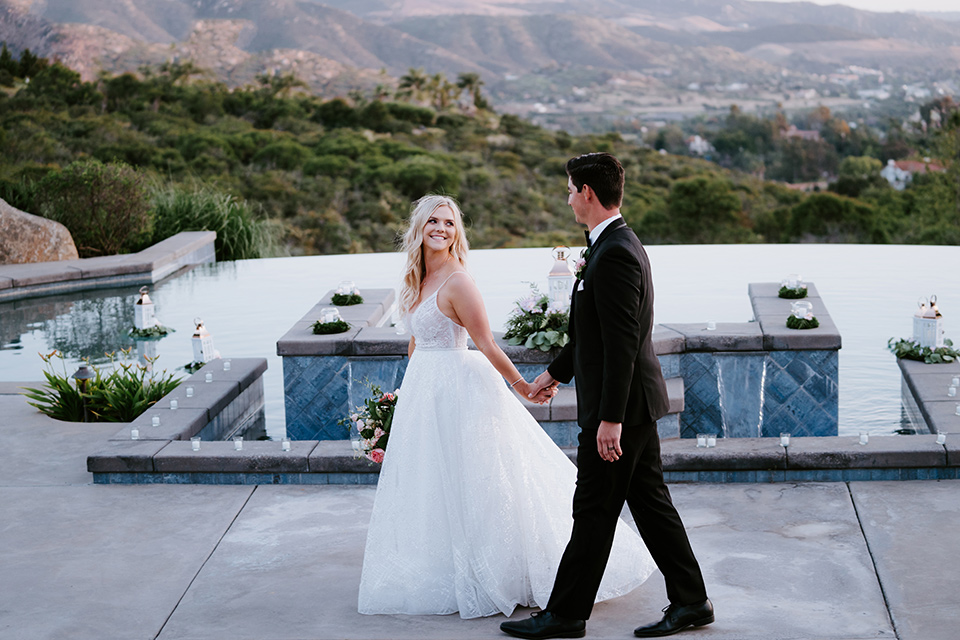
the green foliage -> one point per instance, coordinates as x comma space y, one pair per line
325, 328
372, 421
825, 217
347, 299
285, 154
706, 209
157, 331
241, 234
792, 293
104, 206
537, 324
793, 322
119, 395
913, 351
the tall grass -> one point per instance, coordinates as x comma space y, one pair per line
241, 232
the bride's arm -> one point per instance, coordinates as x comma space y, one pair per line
411, 347
463, 299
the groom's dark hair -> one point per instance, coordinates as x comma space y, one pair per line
602, 172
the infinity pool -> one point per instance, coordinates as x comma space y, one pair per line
870, 291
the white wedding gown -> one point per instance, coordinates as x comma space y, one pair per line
473, 505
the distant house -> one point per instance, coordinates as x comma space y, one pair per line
698, 146
803, 134
899, 173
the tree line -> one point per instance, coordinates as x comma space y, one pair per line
302, 175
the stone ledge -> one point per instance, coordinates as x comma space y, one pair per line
125, 456
222, 457
772, 290
771, 313
728, 336
150, 265
927, 384
845, 452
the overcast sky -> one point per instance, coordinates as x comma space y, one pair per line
893, 5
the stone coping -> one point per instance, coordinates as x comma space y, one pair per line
150, 265
768, 333
731, 460
928, 385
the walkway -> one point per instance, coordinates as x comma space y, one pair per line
80, 561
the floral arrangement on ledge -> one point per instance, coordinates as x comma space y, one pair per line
119, 395
913, 351
325, 328
346, 299
793, 293
801, 316
373, 420
536, 323
156, 331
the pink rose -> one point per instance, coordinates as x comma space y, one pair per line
377, 455
377, 433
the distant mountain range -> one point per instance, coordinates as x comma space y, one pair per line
339, 42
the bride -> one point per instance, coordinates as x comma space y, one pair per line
473, 505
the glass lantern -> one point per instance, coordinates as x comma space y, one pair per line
561, 278
143, 316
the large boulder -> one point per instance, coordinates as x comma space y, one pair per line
29, 238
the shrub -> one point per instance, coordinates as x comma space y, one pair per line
285, 154
105, 206
240, 233
418, 175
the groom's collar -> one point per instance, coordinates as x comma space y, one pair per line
600, 228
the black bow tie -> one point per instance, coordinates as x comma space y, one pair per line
586, 234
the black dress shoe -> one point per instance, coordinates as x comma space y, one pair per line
543, 624
676, 619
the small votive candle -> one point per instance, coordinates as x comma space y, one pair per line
208, 377
134, 434
941, 438
155, 421
864, 437
226, 365
238, 443
189, 392
711, 326
955, 382
701, 439
711, 440
958, 409
951, 391
174, 404
195, 443
784, 439
285, 444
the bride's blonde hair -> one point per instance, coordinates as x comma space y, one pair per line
412, 244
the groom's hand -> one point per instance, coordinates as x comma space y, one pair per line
543, 388
608, 441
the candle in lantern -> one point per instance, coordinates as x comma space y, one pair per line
285, 444
711, 326
174, 404
208, 377
238, 443
711, 440
701, 439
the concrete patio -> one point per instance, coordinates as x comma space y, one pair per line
807, 561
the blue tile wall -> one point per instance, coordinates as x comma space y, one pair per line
751, 394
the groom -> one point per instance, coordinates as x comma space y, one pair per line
620, 396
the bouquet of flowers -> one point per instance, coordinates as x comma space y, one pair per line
372, 420
536, 323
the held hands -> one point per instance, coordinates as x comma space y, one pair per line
608, 441
543, 389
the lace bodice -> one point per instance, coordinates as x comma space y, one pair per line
432, 329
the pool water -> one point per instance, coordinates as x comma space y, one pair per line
870, 291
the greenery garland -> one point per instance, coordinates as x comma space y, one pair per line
793, 322
537, 324
913, 351
347, 299
324, 328
157, 331
793, 293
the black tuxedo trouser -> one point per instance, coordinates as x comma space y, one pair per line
602, 488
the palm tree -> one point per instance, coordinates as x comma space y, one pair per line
443, 91
413, 84
471, 83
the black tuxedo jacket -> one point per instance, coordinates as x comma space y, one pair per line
611, 325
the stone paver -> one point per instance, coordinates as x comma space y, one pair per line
782, 561
911, 528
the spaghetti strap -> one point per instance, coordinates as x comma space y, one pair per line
447, 278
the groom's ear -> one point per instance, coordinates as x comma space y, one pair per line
588, 192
